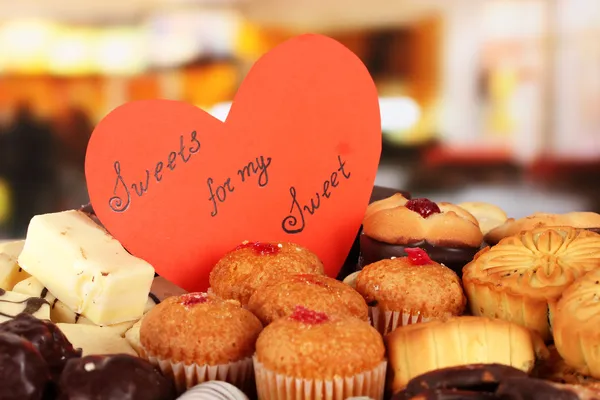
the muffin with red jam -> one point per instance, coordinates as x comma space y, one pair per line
450, 234
242, 271
199, 337
314, 355
279, 298
409, 290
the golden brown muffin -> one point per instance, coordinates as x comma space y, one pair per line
416, 349
279, 298
237, 275
406, 290
583, 220
518, 278
310, 346
576, 321
488, 215
202, 331
393, 221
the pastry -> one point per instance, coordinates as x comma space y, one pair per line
575, 321
243, 270
23, 372
488, 381
86, 268
214, 390
450, 235
408, 290
556, 369
488, 215
49, 341
518, 278
198, 337
583, 220
313, 355
10, 271
119, 376
279, 297
416, 349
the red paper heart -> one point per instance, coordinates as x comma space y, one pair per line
308, 111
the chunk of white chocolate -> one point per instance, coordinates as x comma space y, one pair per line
60, 313
86, 268
10, 271
96, 340
13, 304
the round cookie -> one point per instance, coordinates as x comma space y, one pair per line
489, 216
582, 220
449, 234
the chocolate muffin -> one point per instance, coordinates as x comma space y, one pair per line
120, 376
23, 372
448, 233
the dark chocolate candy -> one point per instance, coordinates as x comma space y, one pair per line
54, 347
446, 394
452, 257
475, 377
533, 389
114, 377
23, 372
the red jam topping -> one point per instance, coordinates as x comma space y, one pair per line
417, 256
423, 207
306, 316
192, 299
264, 249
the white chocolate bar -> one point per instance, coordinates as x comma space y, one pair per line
60, 313
96, 340
86, 268
10, 272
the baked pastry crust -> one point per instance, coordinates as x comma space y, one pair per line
416, 349
513, 226
555, 369
521, 276
576, 322
489, 216
389, 221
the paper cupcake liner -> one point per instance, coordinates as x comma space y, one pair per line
387, 321
273, 386
238, 373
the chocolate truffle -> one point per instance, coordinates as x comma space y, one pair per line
46, 338
120, 376
23, 372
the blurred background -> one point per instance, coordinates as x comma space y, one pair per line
494, 100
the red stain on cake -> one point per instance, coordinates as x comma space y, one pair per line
417, 256
192, 299
423, 207
263, 249
306, 316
